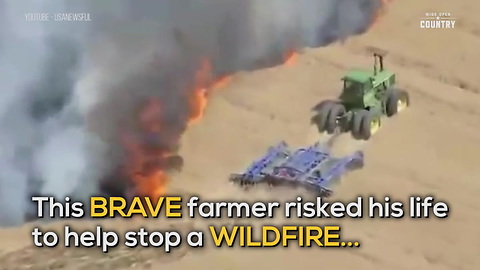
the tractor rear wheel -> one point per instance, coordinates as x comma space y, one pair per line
370, 125
336, 110
321, 118
357, 124
397, 101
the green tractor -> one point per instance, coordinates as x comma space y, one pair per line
366, 97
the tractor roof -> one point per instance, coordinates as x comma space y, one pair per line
363, 76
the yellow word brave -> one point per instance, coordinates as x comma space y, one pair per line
103, 207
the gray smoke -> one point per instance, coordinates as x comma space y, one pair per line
69, 88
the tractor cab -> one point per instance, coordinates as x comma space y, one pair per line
356, 84
363, 89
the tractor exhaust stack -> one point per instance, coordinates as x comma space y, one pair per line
378, 55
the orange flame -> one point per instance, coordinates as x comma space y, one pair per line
144, 161
197, 104
204, 83
290, 58
222, 82
379, 13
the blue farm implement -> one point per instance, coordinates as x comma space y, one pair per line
313, 168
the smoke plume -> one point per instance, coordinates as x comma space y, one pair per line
72, 89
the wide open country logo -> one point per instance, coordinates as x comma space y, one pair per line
436, 20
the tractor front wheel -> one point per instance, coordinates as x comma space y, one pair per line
397, 101
365, 124
370, 125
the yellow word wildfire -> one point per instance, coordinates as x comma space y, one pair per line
304, 236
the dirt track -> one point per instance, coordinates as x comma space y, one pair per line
430, 149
